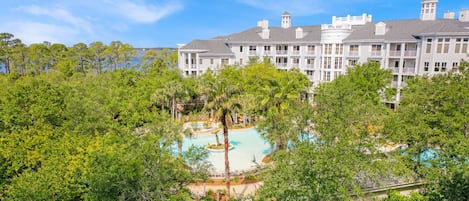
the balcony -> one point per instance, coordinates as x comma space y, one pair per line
410, 53
310, 52
353, 53
310, 66
376, 54
408, 70
296, 52
395, 70
252, 52
395, 53
281, 65
267, 52
282, 52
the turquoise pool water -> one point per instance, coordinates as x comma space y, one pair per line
249, 149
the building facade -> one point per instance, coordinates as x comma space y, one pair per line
424, 46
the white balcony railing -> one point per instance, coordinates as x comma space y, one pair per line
395, 53
410, 53
296, 52
310, 52
353, 53
281, 65
252, 52
408, 70
376, 53
267, 52
282, 52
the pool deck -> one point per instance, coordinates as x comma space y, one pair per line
206, 132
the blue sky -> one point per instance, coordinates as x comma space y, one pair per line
166, 23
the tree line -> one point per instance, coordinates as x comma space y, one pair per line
20, 59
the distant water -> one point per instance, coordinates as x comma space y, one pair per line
133, 62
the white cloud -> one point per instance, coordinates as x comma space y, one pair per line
143, 12
60, 15
35, 32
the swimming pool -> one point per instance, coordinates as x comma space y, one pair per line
249, 149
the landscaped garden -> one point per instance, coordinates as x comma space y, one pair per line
76, 125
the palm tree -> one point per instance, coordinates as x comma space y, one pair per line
279, 98
159, 97
222, 96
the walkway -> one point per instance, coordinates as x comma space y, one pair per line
243, 189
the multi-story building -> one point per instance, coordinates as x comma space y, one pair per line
424, 46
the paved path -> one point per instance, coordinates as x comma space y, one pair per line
243, 189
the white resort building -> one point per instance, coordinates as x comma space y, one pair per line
424, 46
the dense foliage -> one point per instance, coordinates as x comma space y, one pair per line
88, 122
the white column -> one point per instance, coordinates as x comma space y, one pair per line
190, 60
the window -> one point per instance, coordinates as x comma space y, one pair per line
375, 50
446, 46
396, 64
327, 62
201, 61
327, 48
437, 66
267, 50
338, 63
339, 49
353, 50
443, 66
241, 61
296, 48
337, 74
211, 61
464, 45
311, 49
439, 45
426, 65
296, 61
352, 62
240, 48
461, 45
327, 76
310, 63
282, 49
429, 46
252, 49
224, 61
455, 65
442, 45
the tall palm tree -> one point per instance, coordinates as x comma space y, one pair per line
278, 99
223, 95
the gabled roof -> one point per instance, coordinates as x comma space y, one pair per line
312, 34
406, 30
397, 30
209, 47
